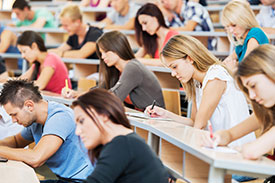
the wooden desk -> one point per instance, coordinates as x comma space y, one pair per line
17, 172
177, 146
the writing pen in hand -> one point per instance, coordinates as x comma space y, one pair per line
153, 105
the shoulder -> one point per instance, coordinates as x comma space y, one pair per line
52, 58
216, 72
258, 34
93, 29
60, 109
42, 11
134, 65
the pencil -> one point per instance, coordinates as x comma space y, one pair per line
66, 85
210, 129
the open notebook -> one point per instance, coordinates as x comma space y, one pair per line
144, 116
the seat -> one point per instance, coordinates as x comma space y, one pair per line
84, 84
172, 100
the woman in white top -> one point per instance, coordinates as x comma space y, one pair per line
207, 84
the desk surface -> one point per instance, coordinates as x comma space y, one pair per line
17, 172
187, 138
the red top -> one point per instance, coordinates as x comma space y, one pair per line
169, 34
57, 81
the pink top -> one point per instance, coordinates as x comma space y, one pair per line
57, 81
169, 34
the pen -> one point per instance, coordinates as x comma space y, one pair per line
66, 85
153, 105
210, 129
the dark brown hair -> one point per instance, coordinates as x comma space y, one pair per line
149, 42
26, 39
116, 42
105, 103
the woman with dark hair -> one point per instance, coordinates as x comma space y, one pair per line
121, 73
151, 31
47, 69
120, 154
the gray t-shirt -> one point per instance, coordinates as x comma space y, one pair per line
121, 20
141, 84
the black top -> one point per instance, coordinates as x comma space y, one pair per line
128, 159
92, 35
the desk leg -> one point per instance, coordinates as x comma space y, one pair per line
153, 142
216, 175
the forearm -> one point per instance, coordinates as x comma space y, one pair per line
260, 146
74, 54
180, 119
29, 156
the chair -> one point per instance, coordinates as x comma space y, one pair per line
172, 100
84, 84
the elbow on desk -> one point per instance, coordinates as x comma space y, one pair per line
252, 155
35, 162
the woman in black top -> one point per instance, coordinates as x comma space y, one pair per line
121, 156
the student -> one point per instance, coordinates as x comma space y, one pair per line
82, 37
50, 125
122, 15
266, 16
188, 15
256, 78
47, 69
151, 31
30, 18
242, 29
95, 3
7, 45
120, 154
121, 73
202, 74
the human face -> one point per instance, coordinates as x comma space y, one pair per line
110, 58
235, 30
268, 2
29, 53
24, 116
86, 129
20, 14
182, 69
69, 25
170, 4
118, 5
148, 23
261, 89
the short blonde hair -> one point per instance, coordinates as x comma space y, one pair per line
238, 12
71, 11
181, 46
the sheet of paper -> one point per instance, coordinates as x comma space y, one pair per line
144, 116
222, 149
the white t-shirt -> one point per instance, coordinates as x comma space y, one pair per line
266, 17
232, 108
7, 127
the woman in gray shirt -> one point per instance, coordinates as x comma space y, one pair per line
121, 73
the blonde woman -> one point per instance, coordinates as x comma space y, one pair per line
207, 84
242, 29
82, 37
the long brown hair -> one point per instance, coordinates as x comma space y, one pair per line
259, 61
105, 103
149, 42
181, 46
116, 42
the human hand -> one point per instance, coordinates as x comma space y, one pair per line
155, 112
68, 93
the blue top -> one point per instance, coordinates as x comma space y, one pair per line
71, 159
256, 33
11, 49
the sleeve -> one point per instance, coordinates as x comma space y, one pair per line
111, 15
131, 78
195, 13
258, 34
50, 62
216, 72
26, 133
94, 34
60, 124
259, 19
113, 161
